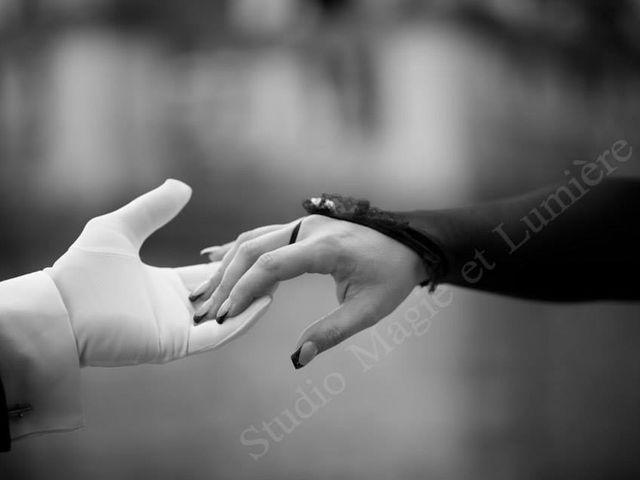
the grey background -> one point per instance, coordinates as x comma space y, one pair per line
259, 104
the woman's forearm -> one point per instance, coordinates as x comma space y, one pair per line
552, 244
558, 243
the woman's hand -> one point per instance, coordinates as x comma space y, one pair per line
373, 275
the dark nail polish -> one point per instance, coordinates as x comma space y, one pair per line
194, 298
294, 359
221, 318
198, 318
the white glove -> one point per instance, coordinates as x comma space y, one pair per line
124, 312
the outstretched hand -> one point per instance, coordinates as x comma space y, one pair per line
124, 312
373, 275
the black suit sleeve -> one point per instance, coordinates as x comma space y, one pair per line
5, 438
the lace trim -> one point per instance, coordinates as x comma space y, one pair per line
389, 223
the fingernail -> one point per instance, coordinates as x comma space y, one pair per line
197, 293
221, 316
202, 311
209, 250
294, 359
304, 355
307, 352
194, 298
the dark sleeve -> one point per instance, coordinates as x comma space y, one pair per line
557, 243
5, 438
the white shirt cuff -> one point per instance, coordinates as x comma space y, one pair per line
38, 357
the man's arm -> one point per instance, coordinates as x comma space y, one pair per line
38, 360
5, 437
100, 305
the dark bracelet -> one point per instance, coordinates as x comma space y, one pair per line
391, 224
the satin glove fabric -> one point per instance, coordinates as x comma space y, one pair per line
124, 312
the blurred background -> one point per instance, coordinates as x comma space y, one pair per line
260, 103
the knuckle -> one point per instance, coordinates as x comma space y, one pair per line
323, 258
333, 334
247, 249
268, 262
315, 221
221, 291
250, 234
244, 237
330, 242
223, 286
333, 256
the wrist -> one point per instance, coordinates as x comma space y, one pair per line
420, 274
393, 225
442, 230
38, 359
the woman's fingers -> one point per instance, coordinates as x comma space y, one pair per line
194, 275
272, 267
354, 315
209, 336
204, 290
216, 252
245, 256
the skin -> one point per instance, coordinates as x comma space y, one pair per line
361, 261
584, 251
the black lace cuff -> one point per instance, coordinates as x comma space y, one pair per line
391, 224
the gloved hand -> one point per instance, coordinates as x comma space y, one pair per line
124, 312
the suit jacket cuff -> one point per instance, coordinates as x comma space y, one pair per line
38, 360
